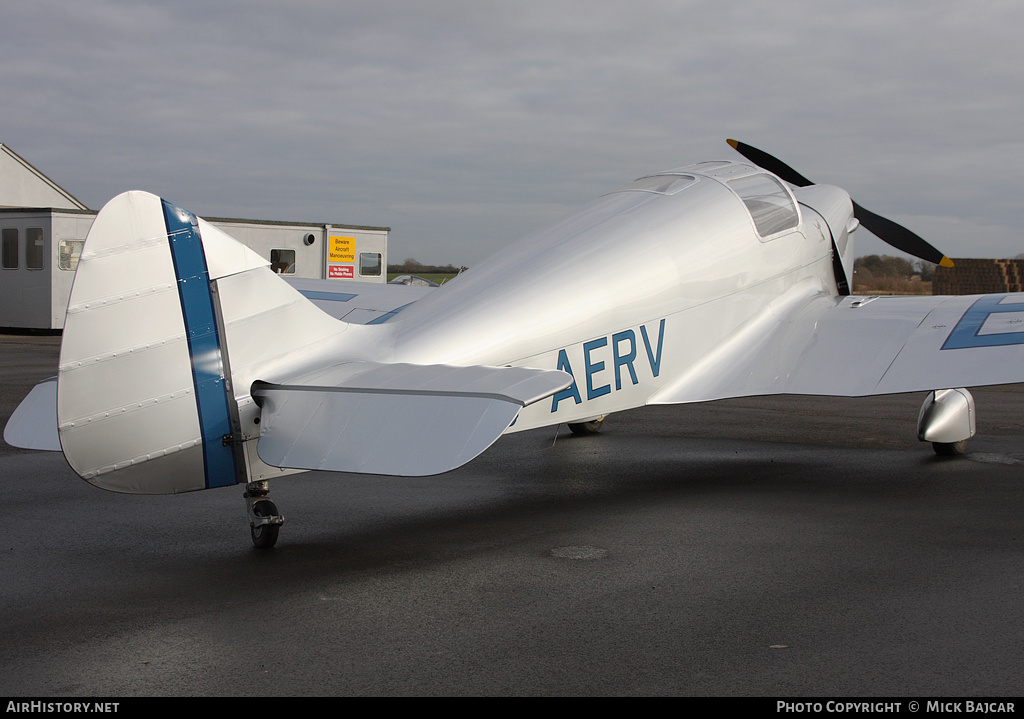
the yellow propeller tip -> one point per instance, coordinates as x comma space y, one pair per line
733, 144
946, 262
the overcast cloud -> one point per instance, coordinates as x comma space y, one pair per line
464, 125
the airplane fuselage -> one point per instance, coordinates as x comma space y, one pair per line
697, 271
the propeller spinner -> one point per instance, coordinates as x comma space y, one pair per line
885, 229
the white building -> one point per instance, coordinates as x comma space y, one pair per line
43, 228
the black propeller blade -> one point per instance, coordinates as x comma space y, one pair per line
886, 230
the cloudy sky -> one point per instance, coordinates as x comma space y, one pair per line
464, 125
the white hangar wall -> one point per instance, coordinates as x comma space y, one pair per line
43, 228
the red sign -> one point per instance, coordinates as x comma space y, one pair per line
340, 271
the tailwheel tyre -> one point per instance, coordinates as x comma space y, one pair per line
950, 449
264, 536
584, 428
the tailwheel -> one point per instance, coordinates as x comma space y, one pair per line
264, 521
583, 428
264, 533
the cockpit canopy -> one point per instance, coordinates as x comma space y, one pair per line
770, 204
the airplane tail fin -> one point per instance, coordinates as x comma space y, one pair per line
171, 323
144, 399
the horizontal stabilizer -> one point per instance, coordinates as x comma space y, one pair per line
397, 419
34, 423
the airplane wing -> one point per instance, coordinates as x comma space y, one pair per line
363, 303
857, 346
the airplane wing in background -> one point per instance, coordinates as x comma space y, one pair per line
858, 346
362, 303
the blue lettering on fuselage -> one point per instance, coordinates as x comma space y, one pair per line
570, 391
593, 368
623, 356
625, 360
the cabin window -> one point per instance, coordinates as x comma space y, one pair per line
68, 253
369, 264
770, 206
9, 240
709, 165
282, 261
34, 248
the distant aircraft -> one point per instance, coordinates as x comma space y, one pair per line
187, 364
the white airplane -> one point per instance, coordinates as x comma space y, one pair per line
187, 364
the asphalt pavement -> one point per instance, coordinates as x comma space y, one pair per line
786, 546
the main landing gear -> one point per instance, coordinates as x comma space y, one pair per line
264, 521
947, 420
592, 426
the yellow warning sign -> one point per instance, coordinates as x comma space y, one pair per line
341, 249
